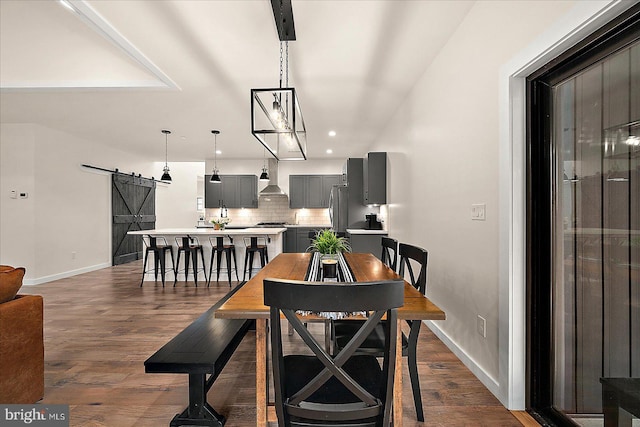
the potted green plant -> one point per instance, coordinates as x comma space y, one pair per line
220, 223
329, 244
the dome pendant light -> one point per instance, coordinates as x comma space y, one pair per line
165, 175
215, 177
264, 176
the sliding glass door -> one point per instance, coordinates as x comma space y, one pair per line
584, 227
596, 230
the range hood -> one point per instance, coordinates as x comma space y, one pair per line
272, 188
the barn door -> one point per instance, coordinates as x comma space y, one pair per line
133, 205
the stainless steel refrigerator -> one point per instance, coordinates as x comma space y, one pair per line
339, 207
346, 208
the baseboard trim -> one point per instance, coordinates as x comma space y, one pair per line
64, 275
489, 382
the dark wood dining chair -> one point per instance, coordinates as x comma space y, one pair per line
347, 389
389, 252
412, 258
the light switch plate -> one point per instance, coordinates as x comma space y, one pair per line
482, 326
479, 212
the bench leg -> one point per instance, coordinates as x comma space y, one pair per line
199, 412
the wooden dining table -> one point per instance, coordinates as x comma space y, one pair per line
248, 303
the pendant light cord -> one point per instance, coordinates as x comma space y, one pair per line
166, 150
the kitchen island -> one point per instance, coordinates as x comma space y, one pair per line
273, 236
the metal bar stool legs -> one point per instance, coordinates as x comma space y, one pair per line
218, 248
159, 257
191, 251
251, 248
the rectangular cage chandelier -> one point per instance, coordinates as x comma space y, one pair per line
277, 122
276, 117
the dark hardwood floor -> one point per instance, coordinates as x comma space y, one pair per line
101, 326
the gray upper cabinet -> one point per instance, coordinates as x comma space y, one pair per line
375, 179
229, 190
235, 191
311, 191
247, 195
329, 181
212, 193
314, 191
297, 191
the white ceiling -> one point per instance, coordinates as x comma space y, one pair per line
120, 71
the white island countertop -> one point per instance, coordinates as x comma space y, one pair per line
210, 231
308, 226
365, 231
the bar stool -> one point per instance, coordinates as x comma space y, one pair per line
159, 257
191, 248
253, 245
218, 247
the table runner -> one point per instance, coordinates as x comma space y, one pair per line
314, 271
345, 275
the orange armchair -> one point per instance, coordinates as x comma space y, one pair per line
21, 341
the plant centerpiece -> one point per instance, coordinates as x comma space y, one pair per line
329, 244
220, 223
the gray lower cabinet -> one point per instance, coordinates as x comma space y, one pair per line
234, 191
296, 239
302, 241
311, 191
289, 244
367, 243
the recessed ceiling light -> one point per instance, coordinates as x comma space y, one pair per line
332, 133
329, 151
218, 152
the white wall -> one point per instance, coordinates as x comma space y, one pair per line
444, 154
64, 226
176, 202
17, 216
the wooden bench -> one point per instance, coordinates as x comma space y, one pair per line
202, 348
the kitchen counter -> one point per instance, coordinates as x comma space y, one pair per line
367, 241
308, 225
365, 231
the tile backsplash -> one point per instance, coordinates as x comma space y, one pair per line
273, 209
